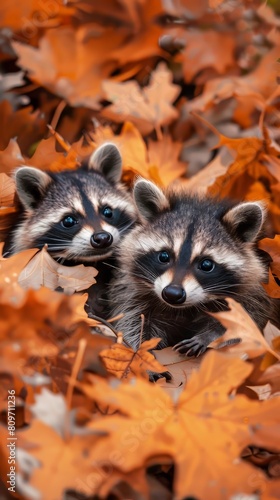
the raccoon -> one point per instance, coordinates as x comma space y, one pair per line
80, 214
186, 257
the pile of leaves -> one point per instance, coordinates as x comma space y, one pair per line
190, 93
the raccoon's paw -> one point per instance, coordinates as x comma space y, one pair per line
191, 347
154, 376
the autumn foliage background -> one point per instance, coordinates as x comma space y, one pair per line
189, 91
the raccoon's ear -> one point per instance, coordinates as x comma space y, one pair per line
149, 199
107, 160
31, 185
245, 220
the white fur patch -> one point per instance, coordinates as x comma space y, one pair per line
150, 243
177, 244
162, 281
45, 223
224, 256
194, 291
78, 206
198, 248
119, 203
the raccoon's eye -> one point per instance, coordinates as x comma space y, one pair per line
207, 265
107, 212
69, 221
164, 257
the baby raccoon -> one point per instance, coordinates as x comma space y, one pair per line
80, 214
186, 257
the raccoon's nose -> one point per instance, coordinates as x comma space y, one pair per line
101, 239
174, 294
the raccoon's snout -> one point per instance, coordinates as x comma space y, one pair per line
174, 294
101, 239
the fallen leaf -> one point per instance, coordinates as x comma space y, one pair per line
205, 49
31, 15
272, 246
240, 326
203, 420
271, 376
71, 454
219, 89
179, 366
11, 157
124, 362
25, 124
148, 108
7, 191
43, 270
163, 155
10, 290
69, 65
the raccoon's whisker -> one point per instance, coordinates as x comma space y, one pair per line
126, 226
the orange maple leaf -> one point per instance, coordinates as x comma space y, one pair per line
148, 108
220, 89
31, 15
272, 246
124, 362
11, 156
205, 428
205, 49
26, 125
71, 65
240, 326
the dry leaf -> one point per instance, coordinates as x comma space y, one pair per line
148, 108
7, 191
124, 362
240, 326
70, 454
208, 49
43, 270
204, 420
69, 65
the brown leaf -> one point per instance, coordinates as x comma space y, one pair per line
7, 191
159, 162
206, 49
31, 15
272, 246
271, 376
38, 327
219, 89
179, 366
11, 157
71, 454
147, 108
46, 157
25, 124
10, 290
70, 65
43, 270
205, 420
163, 155
124, 362
240, 326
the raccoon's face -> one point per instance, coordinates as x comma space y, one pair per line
192, 251
81, 215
